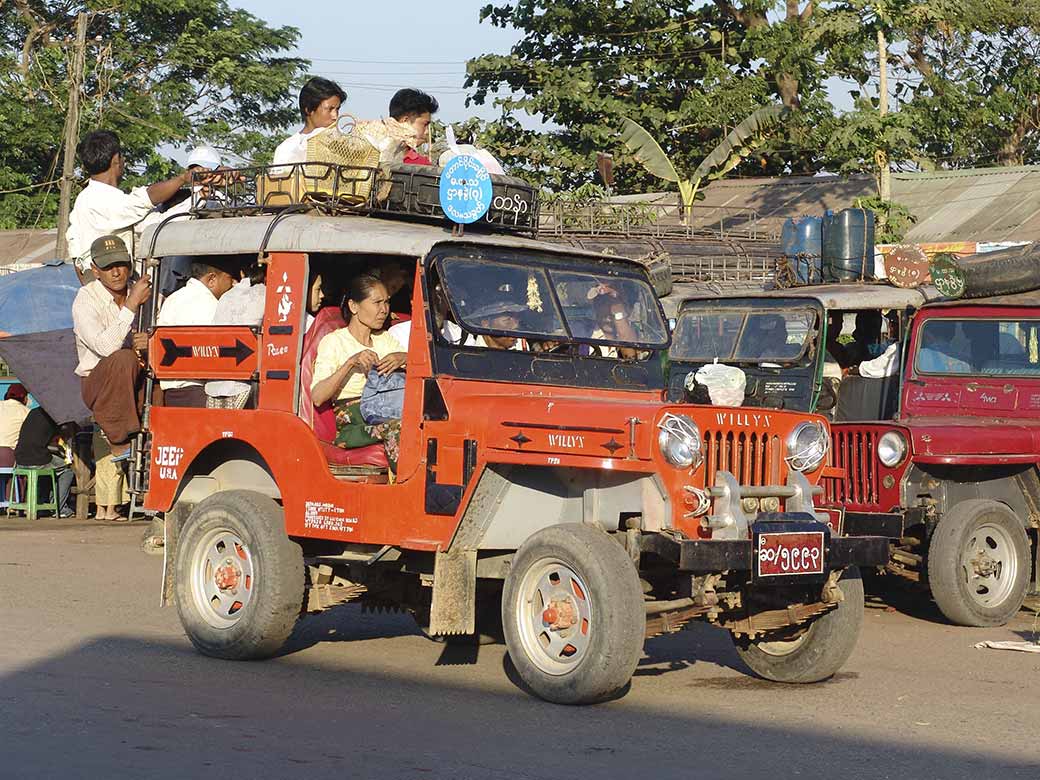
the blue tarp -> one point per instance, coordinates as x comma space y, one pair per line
38, 300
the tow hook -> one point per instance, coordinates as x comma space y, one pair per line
832, 592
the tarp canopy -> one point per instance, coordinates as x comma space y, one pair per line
38, 300
46, 363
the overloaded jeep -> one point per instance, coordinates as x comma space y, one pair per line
941, 457
548, 492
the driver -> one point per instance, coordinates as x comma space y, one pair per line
766, 337
499, 315
612, 314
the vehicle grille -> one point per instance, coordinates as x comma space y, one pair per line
753, 458
855, 453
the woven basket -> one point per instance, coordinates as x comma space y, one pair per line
351, 183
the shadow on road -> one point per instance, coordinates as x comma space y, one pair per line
118, 707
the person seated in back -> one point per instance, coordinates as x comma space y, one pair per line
110, 365
345, 358
13, 410
243, 304
399, 136
320, 102
193, 304
104, 209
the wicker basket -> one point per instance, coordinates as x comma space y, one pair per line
356, 160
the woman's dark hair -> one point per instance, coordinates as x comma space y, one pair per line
360, 288
256, 274
96, 151
315, 92
412, 102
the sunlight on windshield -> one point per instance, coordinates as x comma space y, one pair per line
739, 335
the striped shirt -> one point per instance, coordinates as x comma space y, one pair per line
101, 326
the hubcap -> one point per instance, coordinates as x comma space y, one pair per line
555, 616
221, 578
989, 565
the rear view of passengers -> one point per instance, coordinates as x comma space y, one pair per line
320, 102
399, 136
344, 362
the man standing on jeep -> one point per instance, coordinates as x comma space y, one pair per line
103, 314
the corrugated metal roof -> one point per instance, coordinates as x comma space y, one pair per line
27, 246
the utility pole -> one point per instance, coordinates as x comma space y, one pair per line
885, 179
71, 134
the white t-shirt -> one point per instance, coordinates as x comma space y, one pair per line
243, 304
885, 364
294, 148
12, 415
193, 304
100, 210
402, 331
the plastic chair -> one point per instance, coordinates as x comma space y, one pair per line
9, 484
31, 504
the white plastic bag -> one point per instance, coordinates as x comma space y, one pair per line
455, 149
725, 383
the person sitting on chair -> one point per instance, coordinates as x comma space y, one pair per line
38, 433
13, 411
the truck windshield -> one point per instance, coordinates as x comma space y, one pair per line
552, 304
735, 335
979, 346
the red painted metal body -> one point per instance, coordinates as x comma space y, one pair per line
597, 429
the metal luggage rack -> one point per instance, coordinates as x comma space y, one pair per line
635, 218
264, 189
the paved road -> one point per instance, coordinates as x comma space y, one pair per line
97, 681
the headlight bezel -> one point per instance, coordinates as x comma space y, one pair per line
903, 448
804, 458
679, 441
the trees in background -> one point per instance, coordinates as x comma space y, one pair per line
161, 73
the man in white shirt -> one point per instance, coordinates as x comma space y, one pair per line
320, 101
103, 315
194, 304
102, 208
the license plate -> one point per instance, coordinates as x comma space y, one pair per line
790, 553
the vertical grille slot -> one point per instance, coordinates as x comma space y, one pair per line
855, 452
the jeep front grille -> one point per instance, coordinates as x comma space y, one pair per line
855, 452
753, 458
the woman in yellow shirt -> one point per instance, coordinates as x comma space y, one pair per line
344, 360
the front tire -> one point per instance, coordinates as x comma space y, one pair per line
820, 651
978, 564
573, 615
239, 579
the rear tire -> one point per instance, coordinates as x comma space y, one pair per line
979, 564
819, 652
1004, 272
239, 579
573, 615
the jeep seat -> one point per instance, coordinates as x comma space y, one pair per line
372, 455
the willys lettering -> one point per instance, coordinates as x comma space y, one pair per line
743, 419
566, 442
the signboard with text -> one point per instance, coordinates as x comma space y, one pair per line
203, 352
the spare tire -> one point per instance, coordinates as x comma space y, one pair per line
1003, 272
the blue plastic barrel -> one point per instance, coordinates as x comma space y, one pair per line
801, 242
848, 245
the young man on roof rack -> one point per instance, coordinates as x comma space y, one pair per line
320, 102
399, 136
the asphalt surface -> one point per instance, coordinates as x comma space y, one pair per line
97, 681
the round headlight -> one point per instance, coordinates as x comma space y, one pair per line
891, 448
680, 441
807, 446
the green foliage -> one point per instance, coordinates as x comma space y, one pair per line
161, 73
893, 219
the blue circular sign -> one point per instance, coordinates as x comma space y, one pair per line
465, 191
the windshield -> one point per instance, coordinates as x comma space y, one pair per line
555, 305
754, 336
988, 347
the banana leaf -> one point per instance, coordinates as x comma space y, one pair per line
645, 149
735, 144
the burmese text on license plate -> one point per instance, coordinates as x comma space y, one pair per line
783, 554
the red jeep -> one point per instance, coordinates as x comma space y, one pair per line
953, 479
552, 495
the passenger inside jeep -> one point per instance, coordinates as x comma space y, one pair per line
360, 363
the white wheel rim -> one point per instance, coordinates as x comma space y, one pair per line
222, 578
554, 616
989, 565
780, 648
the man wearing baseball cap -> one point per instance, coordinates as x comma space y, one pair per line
103, 316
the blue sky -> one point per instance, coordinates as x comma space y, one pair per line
371, 49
